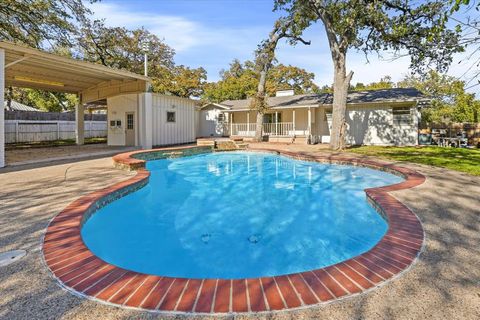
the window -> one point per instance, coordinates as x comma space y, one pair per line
402, 116
270, 117
221, 117
129, 121
170, 116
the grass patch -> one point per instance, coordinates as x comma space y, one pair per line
55, 143
459, 159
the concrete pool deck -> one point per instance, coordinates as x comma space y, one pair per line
443, 283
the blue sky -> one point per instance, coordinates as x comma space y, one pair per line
211, 33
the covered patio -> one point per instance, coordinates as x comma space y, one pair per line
30, 68
281, 124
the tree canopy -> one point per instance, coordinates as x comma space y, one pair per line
418, 29
449, 100
240, 81
41, 22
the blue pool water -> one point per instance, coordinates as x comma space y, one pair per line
239, 215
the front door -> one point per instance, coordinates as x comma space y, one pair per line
130, 129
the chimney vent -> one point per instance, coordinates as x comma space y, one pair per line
285, 93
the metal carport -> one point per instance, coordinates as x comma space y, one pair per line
30, 68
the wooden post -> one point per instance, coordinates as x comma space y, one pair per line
293, 119
79, 123
2, 113
309, 123
16, 131
248, 122
231, 123
276, 123
58, 130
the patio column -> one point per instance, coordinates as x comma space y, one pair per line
276, 123
248, 122
231, 123
79, 122
2, 112
309, 121
148, 121
293, 119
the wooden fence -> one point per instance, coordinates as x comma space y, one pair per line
51, 116
471, 130
34, 131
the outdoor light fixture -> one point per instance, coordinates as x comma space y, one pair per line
145, 49
40, 81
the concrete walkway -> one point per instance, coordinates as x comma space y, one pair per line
445, 283
33, 156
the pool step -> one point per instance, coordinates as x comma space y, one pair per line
206, 142
225, 145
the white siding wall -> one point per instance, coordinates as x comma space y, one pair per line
209, 124
373, 125
183, 130
117, 107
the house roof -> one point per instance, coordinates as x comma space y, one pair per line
17, 106
313, 100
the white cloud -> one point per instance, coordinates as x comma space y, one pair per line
198, 43
179, 32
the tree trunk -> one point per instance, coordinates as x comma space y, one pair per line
9, 97
341, 83
259, 127
260, 104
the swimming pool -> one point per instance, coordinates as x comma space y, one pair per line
239, 215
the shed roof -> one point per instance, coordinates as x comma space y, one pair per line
313, 100
17, 106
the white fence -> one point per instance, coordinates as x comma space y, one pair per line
243, 129
34, 131
270, 129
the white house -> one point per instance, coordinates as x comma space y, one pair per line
377, 117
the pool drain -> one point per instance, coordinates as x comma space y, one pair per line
206, 237
9, 257
254, 238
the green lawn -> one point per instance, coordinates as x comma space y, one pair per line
464, 160
54, 143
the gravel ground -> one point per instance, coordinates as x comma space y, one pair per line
444, 283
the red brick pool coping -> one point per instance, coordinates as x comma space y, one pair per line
77, 269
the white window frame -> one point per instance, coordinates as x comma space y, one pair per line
402, 116
174, 117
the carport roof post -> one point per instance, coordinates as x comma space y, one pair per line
2, 112
31, 68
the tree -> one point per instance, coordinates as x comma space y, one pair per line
264, 58
181, 81
469, 26
283, 77
240, 81
419, 29
120, 48
44, 100
36, 23
448, 99
384, 83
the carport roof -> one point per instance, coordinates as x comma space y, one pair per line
32, 68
